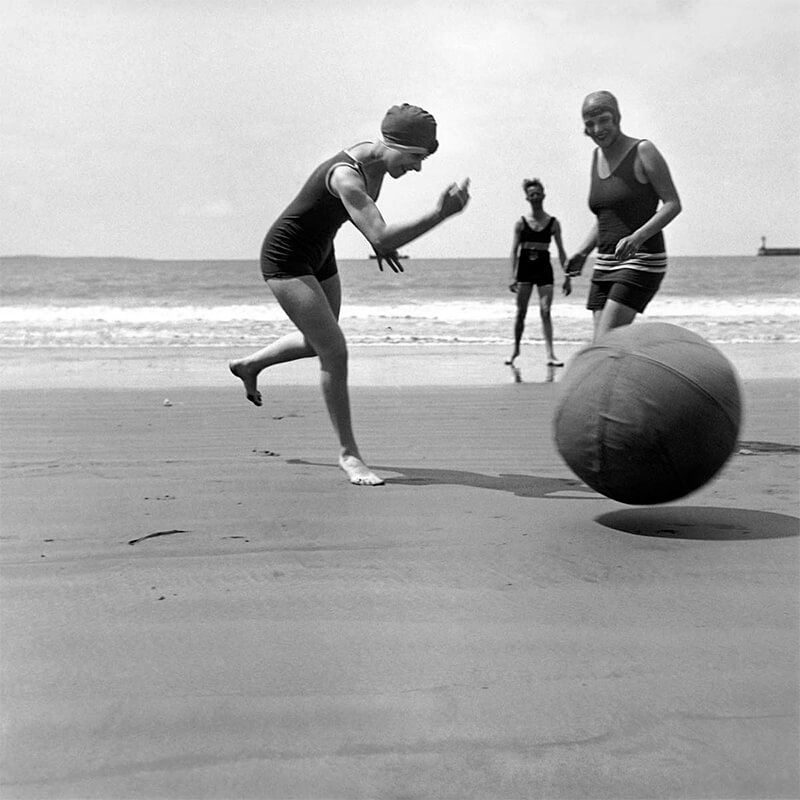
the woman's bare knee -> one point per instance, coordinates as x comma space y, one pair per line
333, 356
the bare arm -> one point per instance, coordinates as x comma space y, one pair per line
575, 264
566, 287
515, 254
657, 172
562, 255
387, 237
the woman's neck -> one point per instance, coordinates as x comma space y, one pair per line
537, 211
618, 147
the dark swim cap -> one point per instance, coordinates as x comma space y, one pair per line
409, 127
596, 102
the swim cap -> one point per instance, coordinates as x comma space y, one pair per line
409, 128
600, 101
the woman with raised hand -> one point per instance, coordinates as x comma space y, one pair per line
298, 261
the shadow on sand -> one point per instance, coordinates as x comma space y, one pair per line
701, 522
519, 485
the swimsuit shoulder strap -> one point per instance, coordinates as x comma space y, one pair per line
354, 164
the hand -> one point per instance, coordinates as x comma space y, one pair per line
566, 288
627, 247
392, 259
575, 264
513, 287
454, 198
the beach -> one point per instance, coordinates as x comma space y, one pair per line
195, 603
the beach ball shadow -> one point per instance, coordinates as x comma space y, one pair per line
696, 522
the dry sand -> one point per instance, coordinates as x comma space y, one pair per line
195, 603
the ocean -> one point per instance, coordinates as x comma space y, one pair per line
122, 302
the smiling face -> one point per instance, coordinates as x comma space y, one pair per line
601, 125
401, 161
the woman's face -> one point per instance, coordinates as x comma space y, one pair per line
601, 127
401, 162
534, 193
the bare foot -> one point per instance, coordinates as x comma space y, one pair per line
358, 472
510, 362
250, 382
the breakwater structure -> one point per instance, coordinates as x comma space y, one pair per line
776, 251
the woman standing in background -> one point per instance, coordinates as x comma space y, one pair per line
531, 266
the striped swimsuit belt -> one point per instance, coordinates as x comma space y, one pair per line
535, 246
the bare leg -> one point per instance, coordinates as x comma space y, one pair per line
314, 309
290, 347
287, 348
612, 315
545, 304
523, 297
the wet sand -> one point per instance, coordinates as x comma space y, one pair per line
195, 603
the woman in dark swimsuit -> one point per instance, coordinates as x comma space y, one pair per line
633, 198
531, 266
299, 264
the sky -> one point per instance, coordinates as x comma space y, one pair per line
179, 129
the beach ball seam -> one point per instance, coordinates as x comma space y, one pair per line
603, 414
688, 381
625, 363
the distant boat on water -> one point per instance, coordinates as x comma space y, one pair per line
776, 251
400, 255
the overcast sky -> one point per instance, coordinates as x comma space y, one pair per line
181, 128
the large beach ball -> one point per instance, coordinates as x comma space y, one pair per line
648, 414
